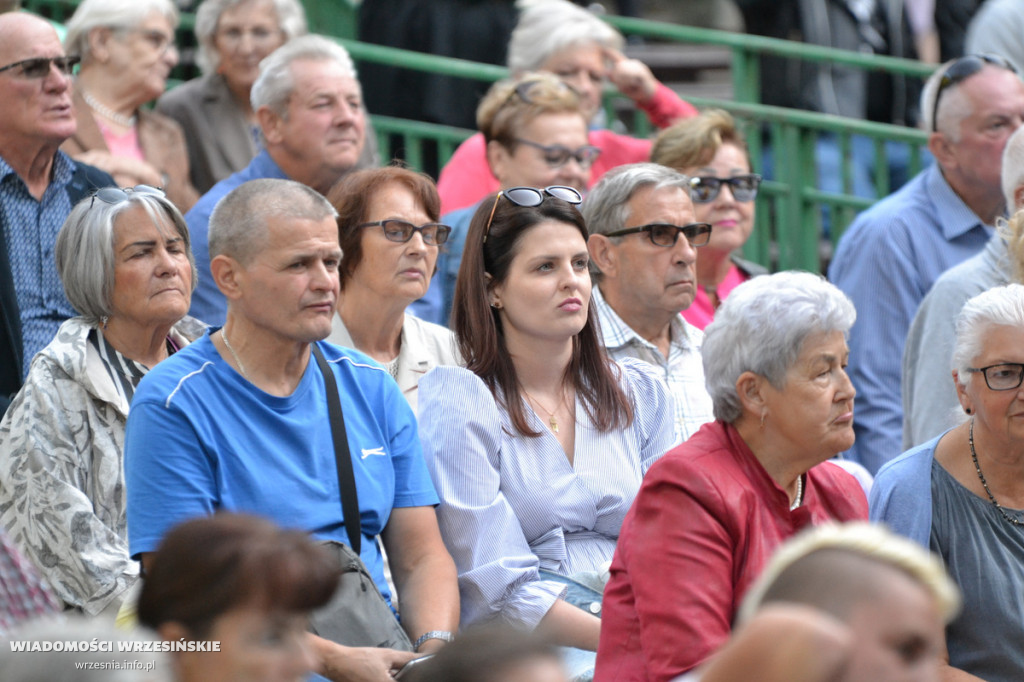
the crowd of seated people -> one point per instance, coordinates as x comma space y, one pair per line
605, 449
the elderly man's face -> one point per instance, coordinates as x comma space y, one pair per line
33, 111
324, 131
290, 288
996, 99
654, 282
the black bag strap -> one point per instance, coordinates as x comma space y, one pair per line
346, 477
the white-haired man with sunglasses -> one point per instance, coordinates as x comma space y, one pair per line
309, 105
893, 252
38, 186
643, 249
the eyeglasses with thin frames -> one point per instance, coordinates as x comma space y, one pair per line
400, 231
557, 155
115, 195
667, 234
1005, 376
961, 70
706, 188
529, 197
39, 67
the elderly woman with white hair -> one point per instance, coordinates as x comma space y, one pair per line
962, 493
562, 38
215, 110
127, 50
711, 511
126, 265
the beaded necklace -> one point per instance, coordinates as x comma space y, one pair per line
984, 483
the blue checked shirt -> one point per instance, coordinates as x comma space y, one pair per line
886, 262
683, 371
30, 230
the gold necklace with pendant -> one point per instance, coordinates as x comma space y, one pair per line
552, 421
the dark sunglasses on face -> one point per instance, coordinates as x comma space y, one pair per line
706, 188
434, 234
557, 155
961, 70
115, 195
528, 197
1002, 377
666, 234
40, 66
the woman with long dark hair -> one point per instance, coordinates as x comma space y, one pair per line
538, 447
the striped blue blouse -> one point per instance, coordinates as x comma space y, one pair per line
511, 505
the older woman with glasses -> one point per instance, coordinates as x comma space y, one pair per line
539, 445
962, 493
712, 151
536, 135
390, 237
711, 512
127, 50
560, 38
126, 265
214, 110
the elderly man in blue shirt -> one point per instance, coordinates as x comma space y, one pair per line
38, 186
892, 254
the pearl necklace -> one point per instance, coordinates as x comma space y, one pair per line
227, 344
984, 483
799, 493
108, 113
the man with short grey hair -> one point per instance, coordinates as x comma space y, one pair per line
894, 251
309, 105
242, 421
643, 240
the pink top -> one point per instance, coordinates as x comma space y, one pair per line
701, 311
126, 145
466, 178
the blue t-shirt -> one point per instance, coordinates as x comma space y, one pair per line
201, 438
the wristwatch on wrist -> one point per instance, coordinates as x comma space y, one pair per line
443, 635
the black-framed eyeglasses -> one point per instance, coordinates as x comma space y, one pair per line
1005, 376
529, 197
400, 231
706, 188
961, 70
39, 67
667, 234
557, 155
115, 195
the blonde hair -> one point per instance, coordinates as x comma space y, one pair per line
695, 141
839, 579
502, 111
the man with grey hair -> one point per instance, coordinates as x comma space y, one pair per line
38, 186
242, 421
310, 110
643, 241
893, 252
930, 405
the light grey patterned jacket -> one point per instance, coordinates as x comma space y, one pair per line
62, 496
